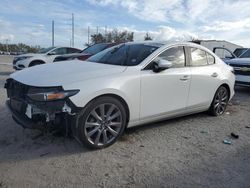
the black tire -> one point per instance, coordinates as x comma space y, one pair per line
220, 101
34, 63
104, 129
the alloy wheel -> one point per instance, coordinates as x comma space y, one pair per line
103, 124
220, 101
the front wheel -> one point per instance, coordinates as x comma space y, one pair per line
101, 123
220, 101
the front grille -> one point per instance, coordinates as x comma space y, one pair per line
240, 69
16, 89
242, 83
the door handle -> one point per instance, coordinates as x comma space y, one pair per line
184, 78
214, 74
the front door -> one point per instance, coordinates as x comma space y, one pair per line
166, 91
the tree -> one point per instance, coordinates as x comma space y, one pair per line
20, 47
97, 38
113, 36
147, 37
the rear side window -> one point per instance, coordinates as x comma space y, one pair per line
175, 55
199, 57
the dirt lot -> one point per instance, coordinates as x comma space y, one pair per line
184, 152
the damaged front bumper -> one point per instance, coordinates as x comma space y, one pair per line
42, 115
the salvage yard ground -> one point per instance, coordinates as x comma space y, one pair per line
184, 152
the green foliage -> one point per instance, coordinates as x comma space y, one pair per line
20, 47
113, 36
147, 37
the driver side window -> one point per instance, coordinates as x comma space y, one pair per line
175, 55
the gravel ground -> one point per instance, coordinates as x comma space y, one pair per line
183, 152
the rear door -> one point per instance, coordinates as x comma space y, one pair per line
204, 79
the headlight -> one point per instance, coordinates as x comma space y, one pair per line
52, 96
22, 58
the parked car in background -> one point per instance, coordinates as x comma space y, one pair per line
122, 86
239, 51
86, 53
46, 55
240, 61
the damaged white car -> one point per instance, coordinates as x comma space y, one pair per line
123, 86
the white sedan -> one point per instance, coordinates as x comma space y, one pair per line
126, 85
46, 55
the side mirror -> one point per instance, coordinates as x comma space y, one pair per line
161, 64
51, 53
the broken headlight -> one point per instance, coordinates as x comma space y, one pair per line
52, 96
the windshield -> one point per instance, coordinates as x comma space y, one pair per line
45, 50
239, 51
95, 49
245, 54
124, 54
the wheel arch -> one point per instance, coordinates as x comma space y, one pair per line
36, 61
227, 87
121, 99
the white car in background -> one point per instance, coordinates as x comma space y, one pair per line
122, 86
46, 55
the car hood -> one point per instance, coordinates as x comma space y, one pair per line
238, 61
29, 54
59, 74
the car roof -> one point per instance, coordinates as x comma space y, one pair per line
168, 43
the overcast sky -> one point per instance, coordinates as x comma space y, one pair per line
29, 21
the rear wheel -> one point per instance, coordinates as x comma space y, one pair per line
101, 123
220, 101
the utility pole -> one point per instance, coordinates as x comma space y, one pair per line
106, 37
53, 34
73, 40
96, 29
88, 35
7, 47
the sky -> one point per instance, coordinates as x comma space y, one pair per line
29, 21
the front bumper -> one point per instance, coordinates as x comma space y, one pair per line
38, 115
54, 118
21, 119
242, 80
